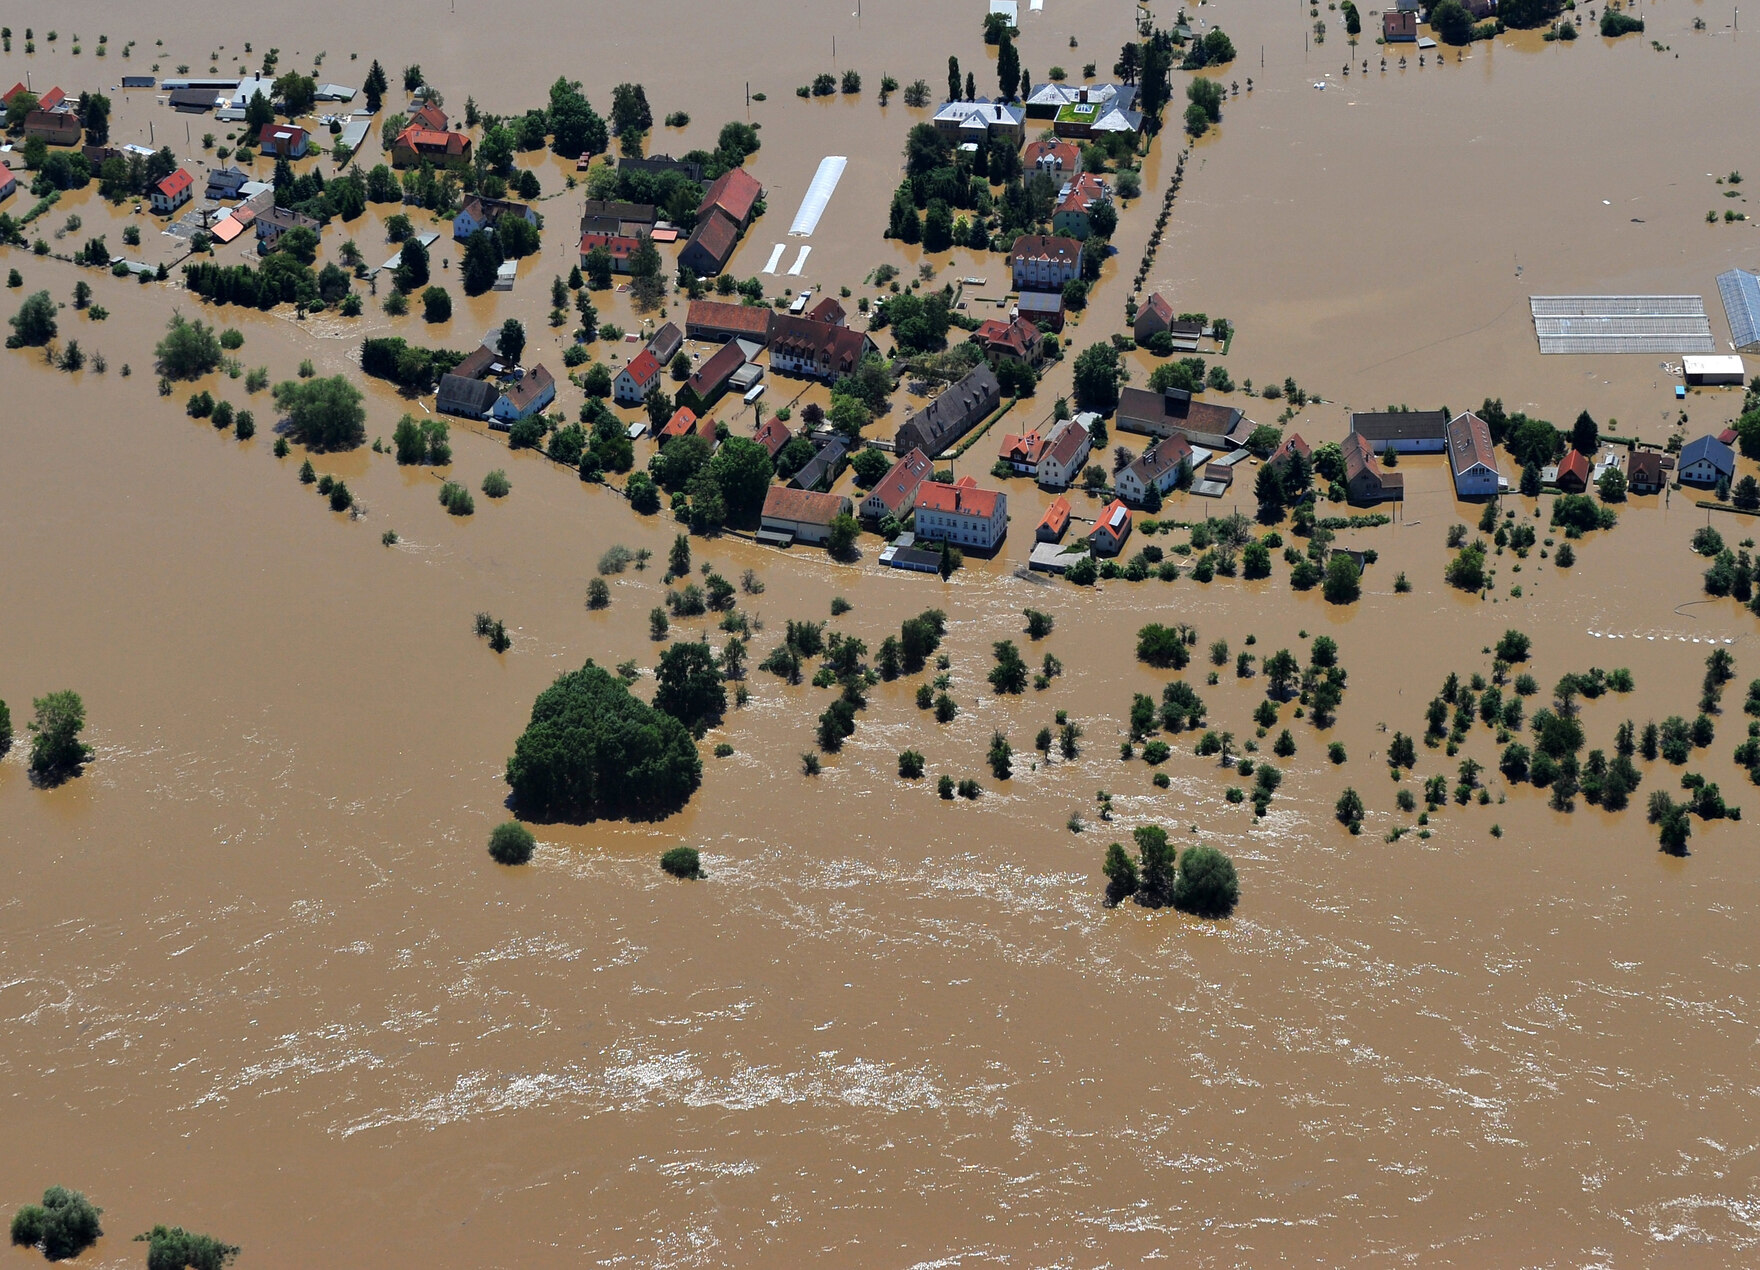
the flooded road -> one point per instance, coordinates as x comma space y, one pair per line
259, 977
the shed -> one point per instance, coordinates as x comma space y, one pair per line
1714, 369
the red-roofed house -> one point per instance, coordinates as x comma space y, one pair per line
416, 144
284, 140
1055, 521
736, 193
961, 513
1155, 315
1062, 159
430, 116
53, 127
715, 321
800, 346
1573, 473
1018, 340
51, 100
8, 181
1291, 446
1021, 451
801, 513
635, 380
710, 380
173, 192
1399, 27
711, 245
895, 494
12, 92
773, 434
828, 311
683, 423
1072, 214
618, 247
1111, 528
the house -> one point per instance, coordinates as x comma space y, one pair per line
1399, 27
483, 360
1157, 468
636, 380
711, 244
466, 396
1573, 473
613, 216
429, 115
1067, 447
710, 379
1059, 158
1155, 316
684, 422
802, 514
1044, 262
735, 194
1043, 309
1111, 528
801, 346
828, 311
173, 192
666, 343
823, 467
895, 494
1081, 111
444, 149
980, 122
482, 213
1071, 215
1055, 521
1473, 458
276, 221
714, 321
225, 183
773, 434
1015, 340
961, 514
283, 140
1705, 461
960, 407
53, 127
1644, 472
1162, 414
8, 181
1407, 431
1289, 448
527, 395
1021, 451
1364, 480
617, 246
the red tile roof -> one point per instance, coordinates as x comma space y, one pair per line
643, 367
1017, 338
1158, 305
838, 346
1576, 464
716, 234
712, 374
617, 246
12, 92
175, 184
274, 134
804, 505
1045, 247
734, 192
1056, 518
1085, 190
1114, 521
828, 311
1021, 447
430, 117
718, 315
1292, 444
963, 497
683, 420
1065, 153
1469, 443
432, 139
905, 479
773, 434
51, 99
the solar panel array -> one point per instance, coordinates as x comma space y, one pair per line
1741, 302
1621, 324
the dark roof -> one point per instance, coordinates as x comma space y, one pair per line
193, 99
807, 339
716, 236
951, 415
472, 398
822, 466
522, 394
477, 362
1644, 464
714, 373
1380, 427
661, 163
666, 342
1469, 443
1175, 411
643, 212
1708, 447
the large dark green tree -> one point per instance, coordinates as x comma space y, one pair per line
323, 414
594, 750
690, 687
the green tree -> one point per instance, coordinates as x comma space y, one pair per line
1008, 67
1451, 22
1097, 377
1585, 433
512, 340
511, 843
412, 266
481, 261
1009, 675
34, 324
188, 350
65, 1224
1001, 756
843, 534
690, 687
1207, 885
575, 126
323, 414
593, 750
56, 749
1343, 583
1155, 866
742, 468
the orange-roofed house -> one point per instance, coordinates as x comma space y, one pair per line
800, 513
1018, 340
416, 145
1055, 521
635, 380
683, 423
173, 192
773, 434
1021, 451
895, 494
618, 246
430, 116
1573, 473
962, 514
283, 140
735, 193
1111, 528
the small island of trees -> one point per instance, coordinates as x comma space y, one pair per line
1202, 881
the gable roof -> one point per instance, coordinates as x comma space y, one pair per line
530, 387
1720, 455
1576, 464
1114, 519
1292, 444
1157, 304
277, 133
715, 234
712, 374
816, 341
683, 420
617, 246
735, 192
802, 505
643, 367
899, 484
429, 116
773, 434
1176, 409
1056, 518
952, 414
962, 498
1045, 247
718, 315
1381, 426
1067, 439
828, 311
1399, 25
1017, 338
1084, 191
177, 183
51, 99
1644, 467
462, 395
1469, 444
432, 139
666, 342
1164, 456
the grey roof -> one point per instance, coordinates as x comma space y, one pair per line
137, 81
1708, 447
469, 398
1741, 304
951, 415
1400, 425
334, 92
822, 466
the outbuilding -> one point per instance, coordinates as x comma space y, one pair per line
1717, 369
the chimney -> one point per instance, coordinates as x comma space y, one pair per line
1082, 95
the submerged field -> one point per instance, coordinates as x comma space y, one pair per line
261, 978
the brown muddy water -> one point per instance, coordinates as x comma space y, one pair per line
258, 976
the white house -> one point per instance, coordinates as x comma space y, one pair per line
1705, 461
631, 386
1066, 452
525, 397
1472, 457
1044, 262
173, 192
1404, 431
1156, 468
482, 213
961, 513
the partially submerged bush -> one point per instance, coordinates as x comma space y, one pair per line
511, 843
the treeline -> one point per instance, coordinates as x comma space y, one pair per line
280, 278
409, 366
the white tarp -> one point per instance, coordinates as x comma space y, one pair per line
818, 194
800, 261
775, 257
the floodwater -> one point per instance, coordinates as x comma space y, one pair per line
258, 977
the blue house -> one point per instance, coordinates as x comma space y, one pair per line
525, 397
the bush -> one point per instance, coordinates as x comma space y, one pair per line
189, 350
682, 862
910, 765
56, 749
457, 499
1207, 885
511, 843
496, 484
66, 1224
174, 1248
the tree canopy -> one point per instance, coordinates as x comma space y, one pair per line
56, 750
323, 414
34, 324
690, 687
594, 750
189, 349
